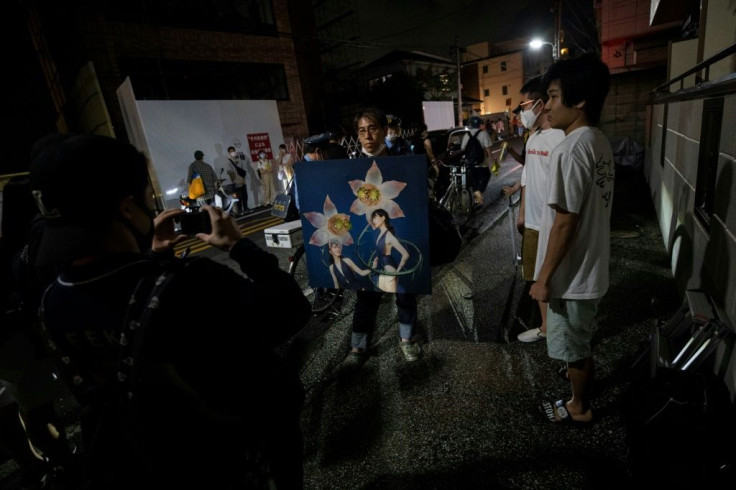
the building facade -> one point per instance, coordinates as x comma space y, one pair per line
691, 158
173, 50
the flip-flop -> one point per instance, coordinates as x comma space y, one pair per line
557, 413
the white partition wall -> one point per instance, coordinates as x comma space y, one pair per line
172, 130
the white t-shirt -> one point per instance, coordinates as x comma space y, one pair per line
580, 180
534, 175
483, 138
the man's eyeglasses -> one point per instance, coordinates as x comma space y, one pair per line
368, 129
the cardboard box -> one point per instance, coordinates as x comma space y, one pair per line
285, 235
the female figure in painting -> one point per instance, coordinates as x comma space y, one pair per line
345, 273
385, 243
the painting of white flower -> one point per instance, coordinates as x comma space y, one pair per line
330, 225
373, 193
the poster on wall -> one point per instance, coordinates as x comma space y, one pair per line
170, 131
365, 223
259, 142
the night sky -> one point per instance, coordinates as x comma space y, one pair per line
431, 25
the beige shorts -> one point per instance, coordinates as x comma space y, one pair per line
529, 241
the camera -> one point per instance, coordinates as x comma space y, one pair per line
194, 222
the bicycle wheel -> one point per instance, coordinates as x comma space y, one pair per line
320, 298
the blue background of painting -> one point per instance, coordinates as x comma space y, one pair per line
316, 180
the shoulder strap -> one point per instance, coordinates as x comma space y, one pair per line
143, 303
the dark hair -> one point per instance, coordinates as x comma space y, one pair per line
372, 114
63, 171
282, 146
584, 78
382, 212
230, 148
536, 88
329, 248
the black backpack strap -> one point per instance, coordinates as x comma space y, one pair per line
143, 303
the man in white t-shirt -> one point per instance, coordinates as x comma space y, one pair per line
480, 175
574, 240
535, 157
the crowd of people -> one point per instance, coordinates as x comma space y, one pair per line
174, 390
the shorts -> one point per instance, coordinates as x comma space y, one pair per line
529, 241
569, 330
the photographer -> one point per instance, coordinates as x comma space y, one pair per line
212, 405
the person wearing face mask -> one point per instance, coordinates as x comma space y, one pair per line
535, 158
185, 425
395, 144
285, 172
265, 170
237, 174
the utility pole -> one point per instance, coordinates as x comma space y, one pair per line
558, 31
459, 86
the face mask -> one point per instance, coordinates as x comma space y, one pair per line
262, 156
528, 118
232, 153
144, 240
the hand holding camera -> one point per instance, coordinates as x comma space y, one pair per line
223, 230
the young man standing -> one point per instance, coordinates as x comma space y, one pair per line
574, 240
535, 158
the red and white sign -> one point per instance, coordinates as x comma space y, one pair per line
257, 143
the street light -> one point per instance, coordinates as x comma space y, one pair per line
538, 43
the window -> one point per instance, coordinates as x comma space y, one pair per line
204, 80
505, 90
508, 102
486, 92
503, 66
485, 68
710, 140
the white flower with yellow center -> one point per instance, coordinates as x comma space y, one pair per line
330, 225
373, 193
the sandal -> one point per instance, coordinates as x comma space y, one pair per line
556, 412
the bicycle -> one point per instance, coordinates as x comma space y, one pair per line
457, 198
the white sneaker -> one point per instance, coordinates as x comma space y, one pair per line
532, 335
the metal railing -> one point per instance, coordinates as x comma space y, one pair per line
664, 89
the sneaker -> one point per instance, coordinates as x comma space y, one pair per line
411, 350
532, 335
356, 358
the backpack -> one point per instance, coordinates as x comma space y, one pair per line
125, 414
474, 153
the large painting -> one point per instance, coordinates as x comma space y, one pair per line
365, 224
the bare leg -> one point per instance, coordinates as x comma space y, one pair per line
580, 373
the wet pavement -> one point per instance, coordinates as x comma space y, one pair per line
465, 415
